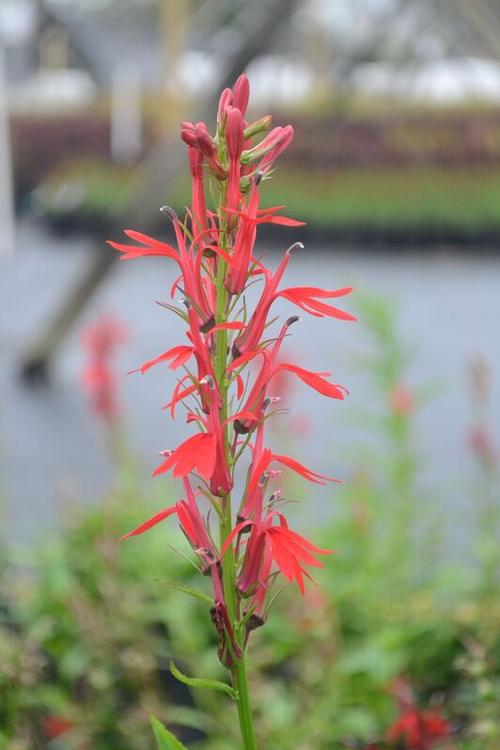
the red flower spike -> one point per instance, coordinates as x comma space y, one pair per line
225, 399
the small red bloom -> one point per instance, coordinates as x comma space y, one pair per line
419, 730
402, 401
56, 726
101, 339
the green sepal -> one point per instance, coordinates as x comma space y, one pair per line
189, 590
200, 682
165, 740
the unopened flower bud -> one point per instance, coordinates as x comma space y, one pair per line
204, 140
241, 93
188, 133
234, 133
225, 101
257, 127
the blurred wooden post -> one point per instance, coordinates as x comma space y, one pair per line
174, 20
7, 219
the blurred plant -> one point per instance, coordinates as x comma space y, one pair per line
487, 458
101, 341
86, 636
415, 729
84, 644
382, 505
84, 194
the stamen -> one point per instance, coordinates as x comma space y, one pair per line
169, 212
294, 247
208, 380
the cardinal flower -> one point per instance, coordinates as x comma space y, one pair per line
290, 551
225, 374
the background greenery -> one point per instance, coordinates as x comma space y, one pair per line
87, 626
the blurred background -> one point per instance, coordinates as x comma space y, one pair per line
395, 167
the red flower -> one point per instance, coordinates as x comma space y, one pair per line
56, 726
101, 340
419, 730
289, 550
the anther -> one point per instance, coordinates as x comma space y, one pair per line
293, 247
208, 380
291, 320
169, 212
278, 495
263, 479
257, 178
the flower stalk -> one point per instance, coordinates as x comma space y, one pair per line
229, 362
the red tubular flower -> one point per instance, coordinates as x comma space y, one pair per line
198, 191
289, 550
234, 139
243, 246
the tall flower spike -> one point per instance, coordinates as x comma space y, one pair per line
229, 363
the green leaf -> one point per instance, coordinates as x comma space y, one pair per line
199, 682
165, 740
188, 590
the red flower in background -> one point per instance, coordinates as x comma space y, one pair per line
55, 726
101, 339
418, 730
402, 401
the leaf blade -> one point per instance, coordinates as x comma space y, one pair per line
165, 740
200, 682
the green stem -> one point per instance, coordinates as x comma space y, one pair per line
239, 668
240, 683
